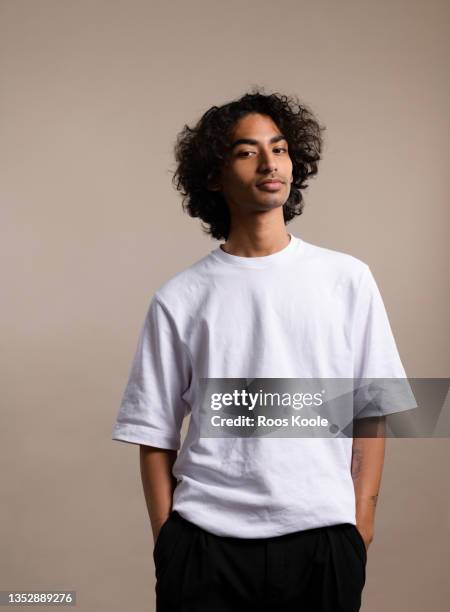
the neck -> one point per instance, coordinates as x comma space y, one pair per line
256, 241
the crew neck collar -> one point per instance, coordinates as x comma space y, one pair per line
260, 262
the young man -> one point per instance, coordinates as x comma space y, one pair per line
247, 523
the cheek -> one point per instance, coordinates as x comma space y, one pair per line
243, 179
236, 185
236, 172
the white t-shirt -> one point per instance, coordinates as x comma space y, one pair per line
302, 312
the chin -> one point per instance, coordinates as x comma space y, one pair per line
270, 203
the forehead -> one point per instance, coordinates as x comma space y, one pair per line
254, 124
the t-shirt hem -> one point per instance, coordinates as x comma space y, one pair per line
136, 434
265, 529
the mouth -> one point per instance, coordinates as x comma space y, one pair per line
270, 185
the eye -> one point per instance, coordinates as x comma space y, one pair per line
248, 153
244, 153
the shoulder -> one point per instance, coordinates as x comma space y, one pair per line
183, 288
333, 262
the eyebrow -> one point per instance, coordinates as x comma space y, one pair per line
251, 141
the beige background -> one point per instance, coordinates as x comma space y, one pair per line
93, 95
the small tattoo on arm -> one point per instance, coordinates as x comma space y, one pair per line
374, 499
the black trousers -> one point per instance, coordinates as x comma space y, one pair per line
314, 570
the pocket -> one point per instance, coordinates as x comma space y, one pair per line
166, 544
361, 540
160, 533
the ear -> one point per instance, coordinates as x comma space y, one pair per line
214, 187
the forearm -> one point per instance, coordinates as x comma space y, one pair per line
367, 465
158, 483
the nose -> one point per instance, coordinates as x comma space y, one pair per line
268, 162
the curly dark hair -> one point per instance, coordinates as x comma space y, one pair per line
201, 151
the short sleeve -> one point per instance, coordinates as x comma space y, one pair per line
152, 408
379, 375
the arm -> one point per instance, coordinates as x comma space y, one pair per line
158, 483
366, 469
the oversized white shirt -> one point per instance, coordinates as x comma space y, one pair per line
302, 312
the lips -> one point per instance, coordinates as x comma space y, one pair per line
269, 181
270, 185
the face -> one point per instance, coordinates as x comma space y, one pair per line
258, 152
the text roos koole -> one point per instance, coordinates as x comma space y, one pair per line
263, 421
